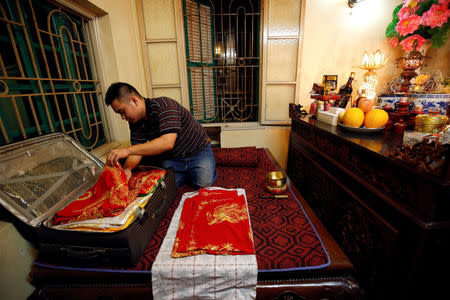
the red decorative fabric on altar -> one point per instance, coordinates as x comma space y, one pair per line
110, 195
214, 222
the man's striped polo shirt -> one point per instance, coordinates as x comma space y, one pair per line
165, 115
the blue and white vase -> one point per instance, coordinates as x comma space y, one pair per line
436, 102
391, 101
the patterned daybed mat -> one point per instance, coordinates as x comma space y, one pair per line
285, 239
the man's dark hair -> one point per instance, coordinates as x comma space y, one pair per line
120, 91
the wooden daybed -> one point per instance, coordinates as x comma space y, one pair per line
297, 258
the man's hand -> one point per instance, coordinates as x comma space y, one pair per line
113, 157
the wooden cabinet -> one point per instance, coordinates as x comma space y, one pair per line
390, 219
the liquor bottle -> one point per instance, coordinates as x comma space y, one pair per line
346, 91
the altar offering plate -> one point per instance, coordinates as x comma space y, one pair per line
360, 129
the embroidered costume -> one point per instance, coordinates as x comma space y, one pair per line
110, 195
214, 222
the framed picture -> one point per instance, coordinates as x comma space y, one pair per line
329, 83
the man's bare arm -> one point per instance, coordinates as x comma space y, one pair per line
131, 163
157, 146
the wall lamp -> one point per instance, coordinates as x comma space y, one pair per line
352, 3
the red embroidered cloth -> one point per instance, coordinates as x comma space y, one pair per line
110, 195
214, 222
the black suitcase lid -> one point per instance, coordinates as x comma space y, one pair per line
40, 176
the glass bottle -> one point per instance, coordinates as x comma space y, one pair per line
346, 91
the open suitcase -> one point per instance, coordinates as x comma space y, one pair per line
40, 176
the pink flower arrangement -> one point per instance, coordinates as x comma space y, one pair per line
416, 21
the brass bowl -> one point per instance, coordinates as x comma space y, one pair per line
430, 123
276, 179
276, 190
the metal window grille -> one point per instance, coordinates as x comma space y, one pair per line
222, 38
48, 82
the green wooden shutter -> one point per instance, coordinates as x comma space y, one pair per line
199, 24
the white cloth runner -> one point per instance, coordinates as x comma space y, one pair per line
202, 276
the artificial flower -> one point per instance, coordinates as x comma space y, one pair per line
408, 25
412, 3
393, 41
408, 43
406, 12
436, 16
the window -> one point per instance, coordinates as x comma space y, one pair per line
222, 52
48, 82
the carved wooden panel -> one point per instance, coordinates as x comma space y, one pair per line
366, 238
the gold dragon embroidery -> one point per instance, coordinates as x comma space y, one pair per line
232, 213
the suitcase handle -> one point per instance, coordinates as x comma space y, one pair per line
82, 253
139, 213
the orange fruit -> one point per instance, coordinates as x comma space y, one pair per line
353, 117
365, 104
376, 118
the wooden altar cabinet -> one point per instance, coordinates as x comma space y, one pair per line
390, 219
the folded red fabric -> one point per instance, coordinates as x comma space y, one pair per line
237, 157
214, 222
144, 182
110, 195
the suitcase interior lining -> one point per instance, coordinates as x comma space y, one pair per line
39, 179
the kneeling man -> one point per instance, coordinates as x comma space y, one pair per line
162, 128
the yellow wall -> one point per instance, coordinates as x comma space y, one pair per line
273, 137
439, 60
335, 38
120, 55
